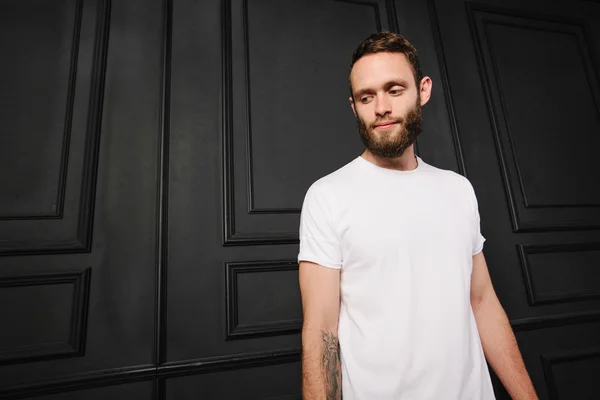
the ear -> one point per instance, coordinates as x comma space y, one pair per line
425, 89
352, 105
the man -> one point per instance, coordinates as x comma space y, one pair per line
396, 295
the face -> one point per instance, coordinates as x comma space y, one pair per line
387, 103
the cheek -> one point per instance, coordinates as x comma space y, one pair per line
366, 114
401, 107
403, 104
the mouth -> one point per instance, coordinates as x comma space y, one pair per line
385, 125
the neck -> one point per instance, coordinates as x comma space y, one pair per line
406, 162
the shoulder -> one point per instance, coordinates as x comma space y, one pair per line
334, 181
450, 180
445, 174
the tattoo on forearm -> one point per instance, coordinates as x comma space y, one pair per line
330, 364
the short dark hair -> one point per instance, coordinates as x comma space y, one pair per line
389, 42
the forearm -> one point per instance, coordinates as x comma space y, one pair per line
501, 349
321, 365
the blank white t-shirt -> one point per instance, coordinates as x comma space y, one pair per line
404, 241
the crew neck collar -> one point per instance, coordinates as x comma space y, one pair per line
390, 171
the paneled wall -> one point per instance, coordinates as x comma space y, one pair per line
154, 156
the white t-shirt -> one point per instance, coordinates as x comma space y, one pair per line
404, 241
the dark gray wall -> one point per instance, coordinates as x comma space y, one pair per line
154, 156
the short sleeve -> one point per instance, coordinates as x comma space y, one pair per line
318, 240
478, 239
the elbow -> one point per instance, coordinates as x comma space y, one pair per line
482, 298
319, 326
486, 302
476, 304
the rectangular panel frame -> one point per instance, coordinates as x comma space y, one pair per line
75, 346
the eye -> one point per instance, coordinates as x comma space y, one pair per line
365, 99
395, 92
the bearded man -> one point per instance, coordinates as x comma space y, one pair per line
396, 295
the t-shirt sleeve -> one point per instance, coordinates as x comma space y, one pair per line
318, 240
478, 238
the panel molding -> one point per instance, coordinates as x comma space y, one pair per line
88, 380
235, 330
75, 347
81, 381
288, 397
448, 96
62, 180
471, 8
556, 320
225, 363
231, 237
574, 295
504, 108
171, 370
84, 230
162, 192
388, 4
549, 360
94, 122
252, 209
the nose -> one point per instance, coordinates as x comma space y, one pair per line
383, 106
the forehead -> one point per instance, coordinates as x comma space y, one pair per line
374, 70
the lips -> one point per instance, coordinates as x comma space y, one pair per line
385, 125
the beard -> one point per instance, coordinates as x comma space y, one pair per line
394, 142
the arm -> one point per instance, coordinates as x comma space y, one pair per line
499, 343
321, 370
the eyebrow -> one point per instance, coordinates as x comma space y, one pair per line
386, 86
